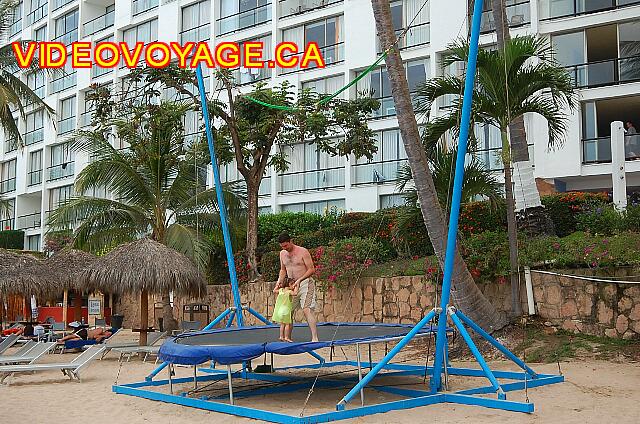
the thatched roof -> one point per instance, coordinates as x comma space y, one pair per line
67, 266
144, 265
26, 275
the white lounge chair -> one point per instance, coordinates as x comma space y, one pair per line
30, 344
70, 369
152, 338
8, 342
29, 357
148, 349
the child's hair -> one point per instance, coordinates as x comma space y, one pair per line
286, 283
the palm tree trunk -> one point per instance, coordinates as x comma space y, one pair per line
465, 292
511, 227
252, 228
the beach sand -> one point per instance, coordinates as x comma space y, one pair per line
594, 391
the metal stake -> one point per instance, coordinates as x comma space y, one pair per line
230, 384
170, 368
370, 358
360, 373
195, 376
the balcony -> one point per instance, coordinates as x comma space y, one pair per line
598, 150
68, 37
100, 23
63, 83
331, 54
141, 6
6, 224
518, 14
245, 19
8, 185
197, 34
58, 172
376, 172
57, 4
605, 72
34, 177
320, 179
66, 125
33, 137
86, 119
296, 7
37, 14
30, 221
243, 76
10, 145
555, 9
15, 28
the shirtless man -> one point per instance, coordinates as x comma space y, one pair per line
297, 265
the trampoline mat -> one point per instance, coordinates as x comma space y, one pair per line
236, 345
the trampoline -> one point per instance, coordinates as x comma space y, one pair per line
240, 344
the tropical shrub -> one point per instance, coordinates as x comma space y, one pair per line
563, 208
294, 223
601, 219
12, 239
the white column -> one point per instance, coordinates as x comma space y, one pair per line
617, 166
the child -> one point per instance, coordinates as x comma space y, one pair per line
283, 310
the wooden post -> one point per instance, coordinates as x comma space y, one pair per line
65, 307
144, 316
77, 306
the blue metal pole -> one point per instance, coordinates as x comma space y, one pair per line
457, 192
217, 320
221, 205
230, 321
496, 344
258, 315
476, 353
401, 344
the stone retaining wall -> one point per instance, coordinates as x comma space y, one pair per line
589, 307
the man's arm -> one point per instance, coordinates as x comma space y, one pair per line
311, 269
282, 275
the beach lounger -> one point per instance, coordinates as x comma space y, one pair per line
70, 369
83, 344
8, 342
147, 350
24, 349
31, 356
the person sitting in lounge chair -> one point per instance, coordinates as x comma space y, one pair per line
97, 334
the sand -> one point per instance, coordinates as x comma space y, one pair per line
594, 391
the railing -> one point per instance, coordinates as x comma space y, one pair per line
243, 76
15, 27
66, 125
34, 177
57, 4
197, 34
63, 83
141, 6
517, 14
245, 19
86, 119
605, 72
68, 37
37, 14
10, 145
296, 7
554, 9
331, 54
26, 222
376, 172
418, 35
33, 137
98, 71
598, 150
58, 172
100, 23
8, 185
7, 224
320, 179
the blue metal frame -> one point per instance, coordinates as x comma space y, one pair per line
413, 398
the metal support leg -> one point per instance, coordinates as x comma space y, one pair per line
170, 368
360, 373
195, 377
370, 358
231, 317
230, 384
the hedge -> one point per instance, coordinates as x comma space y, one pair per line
12, 239
563, 208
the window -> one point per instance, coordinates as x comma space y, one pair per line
98, 71
34, 175
377, 85
327, 33
36, 82
33, 243
101, 22
629, 46
391, 200
386, 162
40, 34
404, 12
310, 169
8, 176
16, 20
295, 7
38, 11
518, 13
62, 162
240, 14
7, 215
57, 4
264, 210
67, 115
319, 208
58, 196
66, 28
66, 80
146, 33
250, 75
34, 123
141, 6
327, 85
195, 22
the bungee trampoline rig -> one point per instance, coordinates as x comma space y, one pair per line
239, 345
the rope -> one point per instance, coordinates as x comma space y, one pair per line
580, 277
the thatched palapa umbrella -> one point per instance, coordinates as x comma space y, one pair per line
144, 266
67, 265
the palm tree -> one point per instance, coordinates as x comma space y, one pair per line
541, 87
464, 290
158, 183
14, 94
